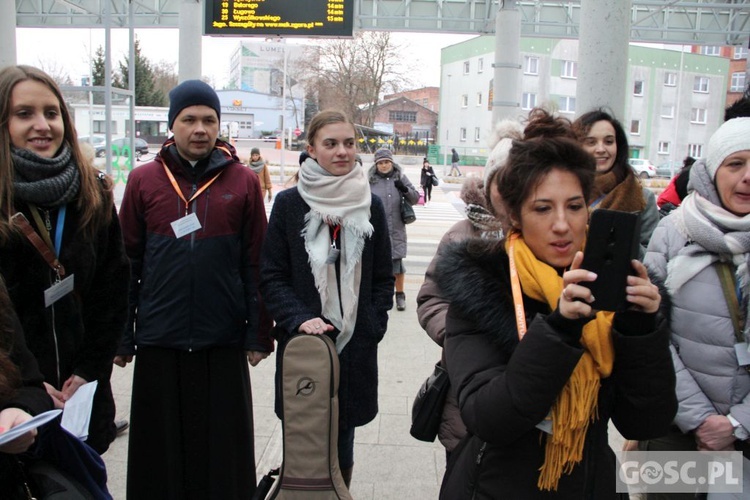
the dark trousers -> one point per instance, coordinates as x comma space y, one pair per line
428, 191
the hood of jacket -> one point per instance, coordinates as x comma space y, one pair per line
222, 154
475, 277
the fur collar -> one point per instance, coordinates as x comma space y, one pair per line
474, 276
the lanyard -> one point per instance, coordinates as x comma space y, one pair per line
335, 236
179, 192
515, 285
44, 250
596, 202
44, 230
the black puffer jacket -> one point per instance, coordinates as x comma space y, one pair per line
506, 387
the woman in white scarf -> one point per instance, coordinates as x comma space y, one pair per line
700, 251
326, 267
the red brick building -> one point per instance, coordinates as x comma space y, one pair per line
408, 118
429, 97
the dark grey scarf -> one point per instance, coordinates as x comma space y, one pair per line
47, 182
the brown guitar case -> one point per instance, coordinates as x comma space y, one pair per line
309, 384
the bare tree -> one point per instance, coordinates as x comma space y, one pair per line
351, 74
165, 78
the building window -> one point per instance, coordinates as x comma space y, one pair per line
740, 52
698, 115
477, 134
663, 147
635, 127
531, 65
710, 50
480, 65
467, 67
667, 111
425, 102
695, 150
402, 116
528, 101
462, 134
670, 79
479, 98
567, 104
464, 100
569, 69
738, 82
638, 88
700, 84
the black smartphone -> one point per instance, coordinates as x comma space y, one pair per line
612, 242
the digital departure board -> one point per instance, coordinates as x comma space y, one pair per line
304, 18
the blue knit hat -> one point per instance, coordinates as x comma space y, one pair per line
192, 93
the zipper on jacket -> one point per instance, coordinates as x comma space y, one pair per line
48, 226
192, 276
478, 463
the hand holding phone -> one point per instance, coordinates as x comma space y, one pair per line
611, 245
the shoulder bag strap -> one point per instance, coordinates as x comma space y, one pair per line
727, 285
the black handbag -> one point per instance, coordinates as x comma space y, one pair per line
435, 181
407, 212
427, 409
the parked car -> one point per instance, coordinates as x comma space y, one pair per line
270, 138
98, 142
140, 146
642, 167
669, 169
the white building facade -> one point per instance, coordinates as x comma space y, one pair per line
675, 99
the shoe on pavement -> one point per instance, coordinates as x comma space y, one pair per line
401, 301
122, 426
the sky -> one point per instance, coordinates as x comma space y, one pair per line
44, 47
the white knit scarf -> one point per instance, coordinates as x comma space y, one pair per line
343, 200
713, 234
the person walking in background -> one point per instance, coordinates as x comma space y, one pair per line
485, 219
455, 159
345, 294
538, 373
389, 183
426, 176
258, 165
616, 186
701, 252
67, 241
194, 222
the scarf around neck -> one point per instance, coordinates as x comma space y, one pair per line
336, 200
576, 405
47, 182
626, 196
257, 166
713, 233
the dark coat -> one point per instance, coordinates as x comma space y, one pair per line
289, 291
198, 291
79, 334
426, 175
506, 387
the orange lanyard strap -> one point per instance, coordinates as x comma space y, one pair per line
179, 192
515, 285
45, 251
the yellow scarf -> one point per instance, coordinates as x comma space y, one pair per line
576, 406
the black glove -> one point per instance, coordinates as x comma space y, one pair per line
400, 186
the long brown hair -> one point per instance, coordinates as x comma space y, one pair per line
93, 201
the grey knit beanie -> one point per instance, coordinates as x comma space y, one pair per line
732, 136
383, 154
192, 93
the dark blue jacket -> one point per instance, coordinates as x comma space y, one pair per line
198, 291
289, 291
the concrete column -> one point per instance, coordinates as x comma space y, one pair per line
191, 31
8, 56
507, 65
603, 55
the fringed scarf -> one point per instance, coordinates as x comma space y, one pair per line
343, 200
713, 235
47, 182
626, 196
576, 406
